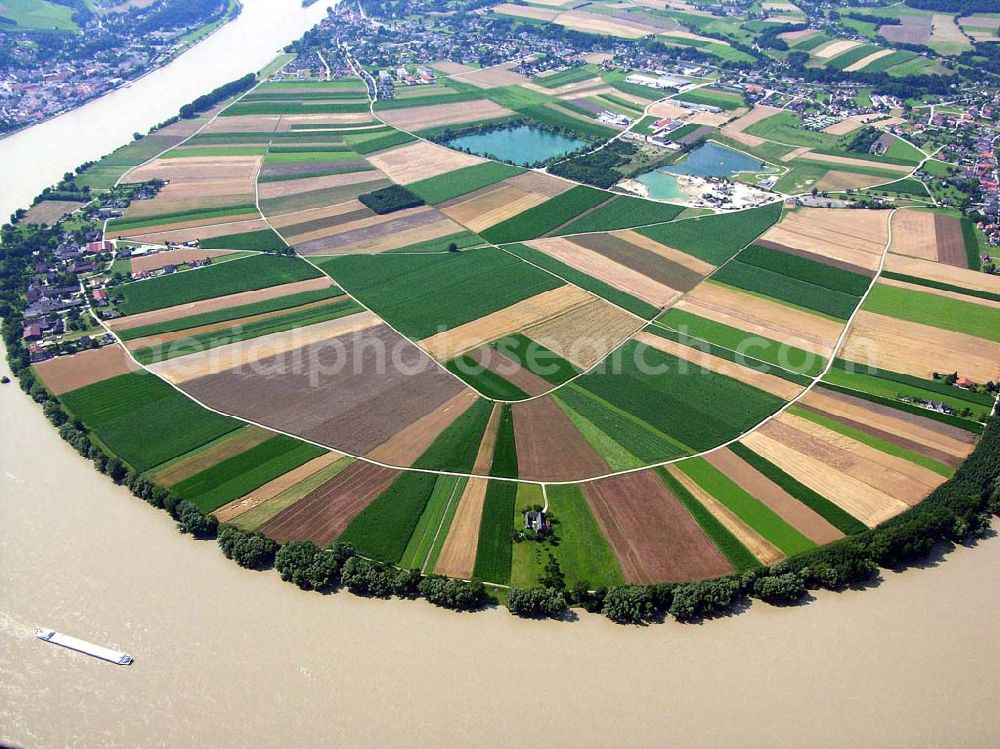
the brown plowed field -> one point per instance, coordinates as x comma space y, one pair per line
668, 253
607, 270
812, 525
217, 303
273, 488
352, 393
762, 317
650, 264
420, 118
391, 234
304, 168
65, 373
342, 118
288, 187
902, 346
585, 334
421, 160
299, 222
324, 513
914, 234
911, 30
510, 370
764, 551
543, 184
159, 260
198, 232
653, 535
247, 123
549, 447
458, 553
232, 444
531, 311
404, 447
702, 359
968, 279
950, 242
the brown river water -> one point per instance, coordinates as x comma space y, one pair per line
225, 656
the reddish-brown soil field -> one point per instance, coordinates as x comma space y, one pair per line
351, 392
65, 373
549, 447
510, 370
410, 443
793, 512
654, 536
324, 513
950, 242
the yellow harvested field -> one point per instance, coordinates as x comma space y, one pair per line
786, 449
585, 334
613, 273
794, 37
860, 163
232, 444
64, 373
458, 553
408, 444
932, 271
245, 353
745, 138
251, 123
157, 260
667, 253
441, 227
199, 232
843, 127
451, 343
913, 234
920, 350
666, 109
491, 207
452, 68
864, 62
312, 214
831, 49
593, 23
856, 236
796, 153
835, 180
197, 182
176, 225
541, 183
758, 113
756, 544
944, 29
703, 360
421, 118
762, 317
526, 11
501, 75
283, 188
679, 34
712, 119
484, 456
782, 6
905, 428
360, 223
273, 488
50, 211
345, 118
421, 160
216, 303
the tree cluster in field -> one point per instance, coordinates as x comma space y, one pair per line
598, 168
868, 18
960, 7
391, 198
209, 100
863, 140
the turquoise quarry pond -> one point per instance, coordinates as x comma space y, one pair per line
708, 160
523, 144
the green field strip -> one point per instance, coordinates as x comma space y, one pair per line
295, 107
712, 98
973, 250
123, 411
451, 185
746, 507
583, 552
307, 156
535, 358
311, 148
633, 434
366, 144
383, 529
735, 553
777, 300
252, 274
383, 105
255, 517
773, 352
621, 212
494, 551
528, 558
504, 464
786, 290
977, 293
349, 168
875, 384
455, 449
715, 239
729, 355
571, 75
803, 269
443, 500
487, 382
289, 301
835, 382
616, 455
216, 150
699, 409
462, 240
578, 278
241, 474
246, 332
176, 217
832, 513
879, 444
921, 386
420, 295
543, 218
263, 240
926, 308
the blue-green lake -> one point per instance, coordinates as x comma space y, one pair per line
521, 145
709, 160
